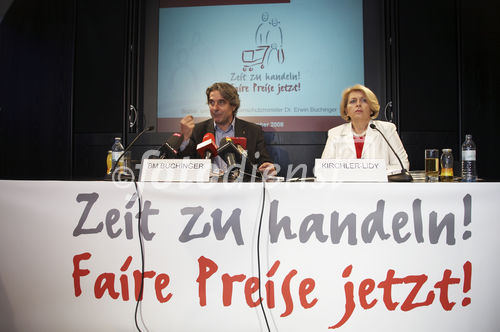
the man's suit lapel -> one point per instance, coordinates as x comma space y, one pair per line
209, 128
240, 129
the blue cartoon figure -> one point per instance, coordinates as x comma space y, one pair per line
274, 38
262, 30
268, 42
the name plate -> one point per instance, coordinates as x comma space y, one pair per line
176, 170
350, 170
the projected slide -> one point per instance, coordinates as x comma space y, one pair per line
289, 61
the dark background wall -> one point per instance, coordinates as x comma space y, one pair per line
36, 79
448, 77
69, 69
99, 83
428, 63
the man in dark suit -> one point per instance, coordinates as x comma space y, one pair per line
223, 102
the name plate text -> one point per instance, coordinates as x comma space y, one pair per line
176, 170
350, 170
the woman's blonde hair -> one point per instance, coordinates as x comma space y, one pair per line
370, 97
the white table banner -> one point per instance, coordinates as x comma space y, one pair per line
333, 256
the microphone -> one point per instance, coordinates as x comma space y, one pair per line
404, 176
241, 144
207, 149
229, 152
170, 149
129, 147
240, 141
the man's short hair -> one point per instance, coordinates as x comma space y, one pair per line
228, 92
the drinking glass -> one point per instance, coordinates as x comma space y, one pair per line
431, 165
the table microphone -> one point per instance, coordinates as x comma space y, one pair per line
404, 175
170, 149
129, 147
207, 149
241, 144
229, 152
240, 141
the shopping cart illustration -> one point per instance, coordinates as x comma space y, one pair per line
254, 57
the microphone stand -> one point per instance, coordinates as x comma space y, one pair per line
404, 175
126, 177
